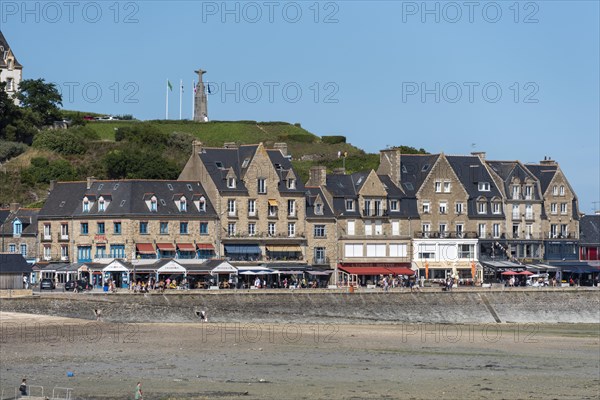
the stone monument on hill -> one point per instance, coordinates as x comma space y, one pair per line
200, 101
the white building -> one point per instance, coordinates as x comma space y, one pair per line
11, 71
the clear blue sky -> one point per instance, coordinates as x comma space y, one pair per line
362, 68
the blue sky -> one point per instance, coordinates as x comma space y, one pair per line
519, 80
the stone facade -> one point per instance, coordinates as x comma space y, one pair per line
11, 71
19, 231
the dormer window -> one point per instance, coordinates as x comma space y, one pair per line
153, 204
86, 205
349, 205
202, 204
101, 204
231, 183
483, 186
318, 209
393, 205
182, 204
481, 207
17, 228
291, 183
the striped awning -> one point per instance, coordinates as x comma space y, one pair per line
145, 248
205, 246
273, 202
185, 247
165, 246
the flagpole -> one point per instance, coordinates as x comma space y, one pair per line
180, 96
167, 101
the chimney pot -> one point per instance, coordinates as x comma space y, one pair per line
14, 207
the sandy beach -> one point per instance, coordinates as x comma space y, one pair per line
300, 361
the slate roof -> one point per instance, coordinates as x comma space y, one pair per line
4, 43
471, 171
589, 230
11, 263
408, 205
127, 198
544, 173
506, 170
414, 169
311, 195
4, 212
285, 165
28, 218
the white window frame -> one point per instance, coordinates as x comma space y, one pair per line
368, 228
272, 228
496, 207
437, 186
459, 208
349, 205
481, 207
553, 208
291, 208
291, 229
231, 207
562, 190
443, 207
231, 183
394, 205
378, 228
395, 228
231, 228
262, 186
426, 207
447, 187
251, 229
252, 207
564, 208
353, 250
483, 186
496, 231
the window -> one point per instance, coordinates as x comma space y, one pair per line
18, 228
562, 190
443, 230
101, 205
64, 231
183, 228
426, 251
84, 228
481, 207
292, 208
376, 250
528, 211
251, 229
10, 84
425, 207
24, 249
117, 228
251, 208
204, 228
443, 208
349, 205
496, 230
438, 187
483, 186
100, 251
64, 252
481, 230
84, 253
271, 229
153, 204
447, 186
320, 255
101, 229
378, 228
245, 163
528, 192
515, 231
395, 228
553, 231
12, 248
351, 228
564, 232
563, 208
367, 207
460, 230
515, 211
291, 183
272, 210
466, 251
231, 228
231, 207
393, 205
262, 185
202, 204
182, 204
553, 208
496, 208
164, 228
291, 229
47, 232
459, 208
555, 190
231, 183
378, 209
318, 209
353, 250
528, 231
117, 251
47, 253
426, 229
86, 205
319, 231
398, 250
368, 228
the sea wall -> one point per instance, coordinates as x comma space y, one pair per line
484, 306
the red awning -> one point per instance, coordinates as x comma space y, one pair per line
145, 248
401, 270
205, 246
185, 246
165, 246
366, 270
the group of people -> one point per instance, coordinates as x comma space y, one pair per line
141, 286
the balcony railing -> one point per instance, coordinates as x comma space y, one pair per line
64, 236
321, 261
368, 212
445, 235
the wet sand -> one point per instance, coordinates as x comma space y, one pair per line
300, 361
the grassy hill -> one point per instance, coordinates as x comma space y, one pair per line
27, 183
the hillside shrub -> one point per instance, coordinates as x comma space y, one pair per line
43, 171
11, 149
65, 142
333, 139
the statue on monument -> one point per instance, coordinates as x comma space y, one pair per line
200, 100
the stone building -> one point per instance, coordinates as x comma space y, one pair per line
19, 231
11, 71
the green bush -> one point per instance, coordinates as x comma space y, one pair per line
333, 139
11, 149
297, 137
143, 135
180, 141
133, 163
65, 142
43, 171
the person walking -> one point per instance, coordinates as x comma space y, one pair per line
23, 387
138, 391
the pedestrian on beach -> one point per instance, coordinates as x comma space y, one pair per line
23, 387
138, 391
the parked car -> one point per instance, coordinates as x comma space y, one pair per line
47, 283
79, 284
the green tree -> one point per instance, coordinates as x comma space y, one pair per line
16, 124
42, 98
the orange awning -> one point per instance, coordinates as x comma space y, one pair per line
273, 203
165, 246
205, 246
145, 248
185, 246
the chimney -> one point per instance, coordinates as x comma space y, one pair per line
281, 147
548, 161
230, 145
389, 164
14, 207
51, 187
339, 171
318, 176
196, 147
90, 182
480, 154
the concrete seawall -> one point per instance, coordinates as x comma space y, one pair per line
477, 306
